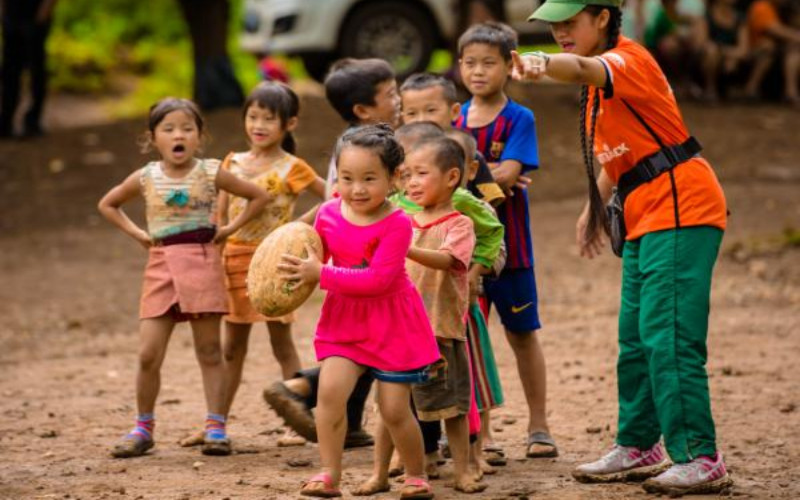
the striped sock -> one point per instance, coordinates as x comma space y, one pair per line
215, 426
145, 423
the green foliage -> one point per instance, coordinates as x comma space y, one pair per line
139, 49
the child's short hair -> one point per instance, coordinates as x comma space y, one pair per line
447, 154
466, 140
379, 139
281, 100
355, 81
161, 109
490, 33
418, 131
422, 81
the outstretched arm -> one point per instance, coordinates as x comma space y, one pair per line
569, 68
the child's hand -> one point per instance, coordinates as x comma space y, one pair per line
222, 234
589, 246
298, 271
528, 66
474, 276
144, 239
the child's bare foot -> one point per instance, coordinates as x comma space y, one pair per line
468, 484
432, 470
396, 467
291, 438
486, 468
372, 486
196, 439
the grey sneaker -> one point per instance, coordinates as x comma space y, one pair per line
701, 476
624, 463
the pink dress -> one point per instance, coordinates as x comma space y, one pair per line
373, 314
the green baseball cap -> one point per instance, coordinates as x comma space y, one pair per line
555, 11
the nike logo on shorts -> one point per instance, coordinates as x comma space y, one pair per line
515, 309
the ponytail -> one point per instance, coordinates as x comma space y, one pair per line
597, 212
289, 144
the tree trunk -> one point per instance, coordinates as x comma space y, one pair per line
215, 84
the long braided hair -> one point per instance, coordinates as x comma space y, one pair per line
597, 213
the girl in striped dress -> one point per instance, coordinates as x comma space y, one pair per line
183, 280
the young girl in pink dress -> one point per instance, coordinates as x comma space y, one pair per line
373, 317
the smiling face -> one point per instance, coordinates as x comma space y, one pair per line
386, 108
363, 180
483, 69
428, 184
264, 128
177, 137
583, 34
429, 105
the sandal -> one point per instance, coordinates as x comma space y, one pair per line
326, 480
416, 488
494, 455
541, 438
132, 446
216, 447
291, 407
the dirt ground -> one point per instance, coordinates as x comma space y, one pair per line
68, 337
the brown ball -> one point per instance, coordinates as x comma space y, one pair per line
269, 293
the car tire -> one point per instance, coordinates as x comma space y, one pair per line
400, 32
317, 64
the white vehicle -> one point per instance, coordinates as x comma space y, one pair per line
404, 32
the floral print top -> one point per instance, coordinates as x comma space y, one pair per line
283, 179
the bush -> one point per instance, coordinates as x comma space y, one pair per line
141, 50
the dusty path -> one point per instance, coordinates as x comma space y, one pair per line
68, 341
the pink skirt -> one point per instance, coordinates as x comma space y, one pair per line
237, 261
187, 279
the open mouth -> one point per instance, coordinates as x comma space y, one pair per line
567, 46
179, 148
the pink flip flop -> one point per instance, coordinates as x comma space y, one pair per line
329, 492
422, 489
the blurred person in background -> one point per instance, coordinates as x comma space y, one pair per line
26, 24
671, 35
773, 37
724, 42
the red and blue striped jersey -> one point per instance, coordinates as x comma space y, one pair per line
510, 136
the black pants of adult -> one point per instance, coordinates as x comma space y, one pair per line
23, 47
356, 402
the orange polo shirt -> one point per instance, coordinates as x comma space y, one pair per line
621, 141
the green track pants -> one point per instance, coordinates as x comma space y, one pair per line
663, 325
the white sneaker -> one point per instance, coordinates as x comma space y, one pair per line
700, 476
624, 463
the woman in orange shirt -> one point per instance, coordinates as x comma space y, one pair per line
675, 215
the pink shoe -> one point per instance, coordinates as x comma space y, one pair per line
624, 463
702, 475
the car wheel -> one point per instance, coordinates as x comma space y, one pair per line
403, 34
317, 64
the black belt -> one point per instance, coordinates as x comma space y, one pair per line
202, 235
661, 161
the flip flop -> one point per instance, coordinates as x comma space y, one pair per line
327, 481
544, 439
292, 409
416, 488
494, 455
